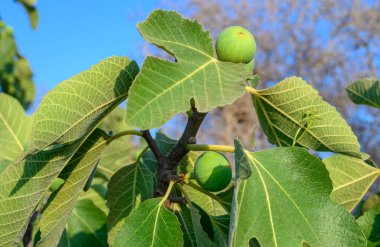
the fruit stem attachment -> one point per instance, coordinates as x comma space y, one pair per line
251, 90
170, 187
124, 133
210, 147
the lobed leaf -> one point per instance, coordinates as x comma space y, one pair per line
351, 179
151, 224
73, 108
75, 174
292, 112
365, 91
285, 202
164, 88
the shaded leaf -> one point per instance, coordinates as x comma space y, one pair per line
190, 221
74, 107
370, 223
210, 205
85, 227
371, 202
150, 225
14, 130
286, 202
292, 112
75, 174
365, 91
351, 179
164, 88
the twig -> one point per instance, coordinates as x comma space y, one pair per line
152, 144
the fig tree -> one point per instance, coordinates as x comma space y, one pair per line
212, 171
235, 44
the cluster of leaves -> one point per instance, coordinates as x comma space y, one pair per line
15, 71
283, 196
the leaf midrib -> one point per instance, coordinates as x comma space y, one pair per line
362, 97
11, 132
292, 119
287, 195
159, 95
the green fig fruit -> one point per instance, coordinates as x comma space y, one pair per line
235, 44
213, 171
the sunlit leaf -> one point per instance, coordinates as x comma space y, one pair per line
75, 174
74, 107
286, 202
151, 224
351, 179
164, 88
292, 112
14, 130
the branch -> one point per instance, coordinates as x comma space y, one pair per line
152, 145
167, 164
179, 151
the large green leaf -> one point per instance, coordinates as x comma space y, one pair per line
131, 185
23, 183
293, 112
164, 88
286, 202
75, 174
127, 189
351, 179
365, 91
72, 109
370, 223
85, 227
14, 129
150, 225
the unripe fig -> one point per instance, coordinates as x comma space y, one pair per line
212, 171
236, 44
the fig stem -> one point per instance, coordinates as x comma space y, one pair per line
124, 133
170, 187
210, 147
251, 90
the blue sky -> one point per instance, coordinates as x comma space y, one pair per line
73, 35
